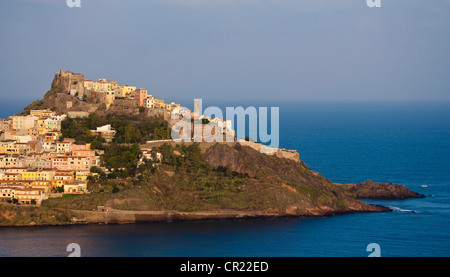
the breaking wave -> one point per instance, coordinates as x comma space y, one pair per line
397, 209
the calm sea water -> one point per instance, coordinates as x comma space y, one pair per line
404, 143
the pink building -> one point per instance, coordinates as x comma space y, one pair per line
45, 156
78, 163
83, 153
60, 162
140, 95
79, 147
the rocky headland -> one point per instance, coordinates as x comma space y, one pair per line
262, 186
197, 181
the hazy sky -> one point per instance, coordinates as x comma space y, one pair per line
270, 50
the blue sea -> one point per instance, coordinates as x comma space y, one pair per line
402, 143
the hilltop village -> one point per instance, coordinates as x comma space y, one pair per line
108, 93
37, 161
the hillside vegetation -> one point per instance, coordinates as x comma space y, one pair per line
223, 177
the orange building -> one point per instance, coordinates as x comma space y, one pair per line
140, 95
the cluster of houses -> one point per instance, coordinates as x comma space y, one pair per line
34, 162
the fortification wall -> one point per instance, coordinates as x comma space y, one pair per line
66, 79
278, 152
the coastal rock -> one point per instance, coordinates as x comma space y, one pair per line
377, 190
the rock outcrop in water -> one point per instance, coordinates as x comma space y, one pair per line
385, 191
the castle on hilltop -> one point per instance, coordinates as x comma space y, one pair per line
107, 92
66, 80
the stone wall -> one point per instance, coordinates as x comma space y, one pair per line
124, 106
279, 152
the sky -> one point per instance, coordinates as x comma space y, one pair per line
232, 50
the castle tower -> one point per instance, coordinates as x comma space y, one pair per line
197, 107
66, 79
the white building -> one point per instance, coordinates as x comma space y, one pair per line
63, 146
106, 131
59, 117
52, 124
223, 124
149, 102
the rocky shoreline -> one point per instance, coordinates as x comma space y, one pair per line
131, 217
364, 190
113, 216
108, 215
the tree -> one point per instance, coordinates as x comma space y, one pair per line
115, 189
128, 133
121, 156
77, 129
97, 144
96, 169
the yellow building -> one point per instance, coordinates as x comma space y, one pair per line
9, 148
159, 103
42, 184
81, 175
124, 91
47, 113
170, 107
76, 187
45, 175
41, 126
42, 113
29, 175
62, 177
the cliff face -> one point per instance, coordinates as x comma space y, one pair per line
289, 184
